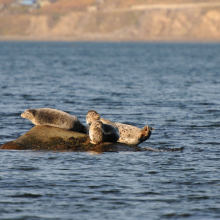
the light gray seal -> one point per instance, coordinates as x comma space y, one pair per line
100, 132
133, 135
55, 118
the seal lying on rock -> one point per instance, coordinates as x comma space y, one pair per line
128, 134
55, 118
133, 135
100, 132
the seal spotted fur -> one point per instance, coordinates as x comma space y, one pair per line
128, 134
133, 135
55, 118
100, 132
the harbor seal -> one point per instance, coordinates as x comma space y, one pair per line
132, 135
128, 134
100, 132
55, 118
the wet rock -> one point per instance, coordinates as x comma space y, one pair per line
52, 138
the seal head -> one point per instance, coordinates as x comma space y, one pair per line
145, 133
29, 114
92, 116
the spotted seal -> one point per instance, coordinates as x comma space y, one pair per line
55, 118
132, 135
100, 132
128, 134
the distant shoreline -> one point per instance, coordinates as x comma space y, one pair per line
107, 39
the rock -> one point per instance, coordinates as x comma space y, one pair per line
52, 138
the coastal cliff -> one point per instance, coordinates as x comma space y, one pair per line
157, 21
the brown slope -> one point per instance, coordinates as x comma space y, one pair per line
200, 21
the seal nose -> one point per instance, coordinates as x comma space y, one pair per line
152, 128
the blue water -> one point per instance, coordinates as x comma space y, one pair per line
174, 88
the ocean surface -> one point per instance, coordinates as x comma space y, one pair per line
174, 88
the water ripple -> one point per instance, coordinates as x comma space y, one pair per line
171, 87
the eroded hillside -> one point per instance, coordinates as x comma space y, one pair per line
112, 20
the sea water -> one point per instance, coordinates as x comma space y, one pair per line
174, 88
